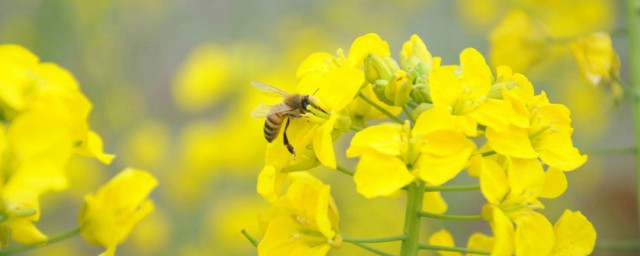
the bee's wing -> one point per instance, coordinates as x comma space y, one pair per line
261, 111
269, 90
265, 110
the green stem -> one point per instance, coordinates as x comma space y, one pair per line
451, 188
408, 113
633, 16
51, 240
373, 240
412, 220
344, 170
371, 249
452, 249
618, 245
379, 108
253, 241
450, 217
488, 153
611, 151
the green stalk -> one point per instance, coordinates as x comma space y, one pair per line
373, 240
51, 240
452, 249
618, 245
371, 249
344, 170
450, 217
412, 220
451, 188
379, 108
249, 237
633, 16
408, 113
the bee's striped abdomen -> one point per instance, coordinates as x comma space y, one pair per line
272, 126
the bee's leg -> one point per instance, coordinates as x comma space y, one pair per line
286, 140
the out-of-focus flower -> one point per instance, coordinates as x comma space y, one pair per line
518, 41
302, 222
110, 214
598, 62
203, 79
394, 155
44, 116
27, 85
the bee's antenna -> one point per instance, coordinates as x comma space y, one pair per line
314, 92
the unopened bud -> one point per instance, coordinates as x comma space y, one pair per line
399, 90
376, 68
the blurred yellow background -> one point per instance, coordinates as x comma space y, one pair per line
170, 84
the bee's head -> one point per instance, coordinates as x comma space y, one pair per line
308, 100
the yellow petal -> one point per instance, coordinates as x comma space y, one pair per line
493, 113
434, 203
443, 238
526, 177
557, 150
365, 45
323, 143
380, 175
534, 235
416, 48
270, 183
555, 183
493, 182
316, 62
25, 232
444, 155
338, 87
94, 148
513, 141
503, 233
575, 235
383, 138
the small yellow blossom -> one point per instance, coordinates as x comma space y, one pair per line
110, 214
302, 222
598, 62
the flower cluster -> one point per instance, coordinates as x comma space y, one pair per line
44, 123
456, 117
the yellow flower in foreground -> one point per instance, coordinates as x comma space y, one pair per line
110, 214
302, 222
572, 235
393, 155
512, 188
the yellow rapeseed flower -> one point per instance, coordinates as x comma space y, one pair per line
598, 62
302, 222
394, 155
109, 215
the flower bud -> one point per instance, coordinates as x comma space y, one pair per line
377, 67
379, 88
421, 92
399, 90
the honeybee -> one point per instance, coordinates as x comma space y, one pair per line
292, 106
